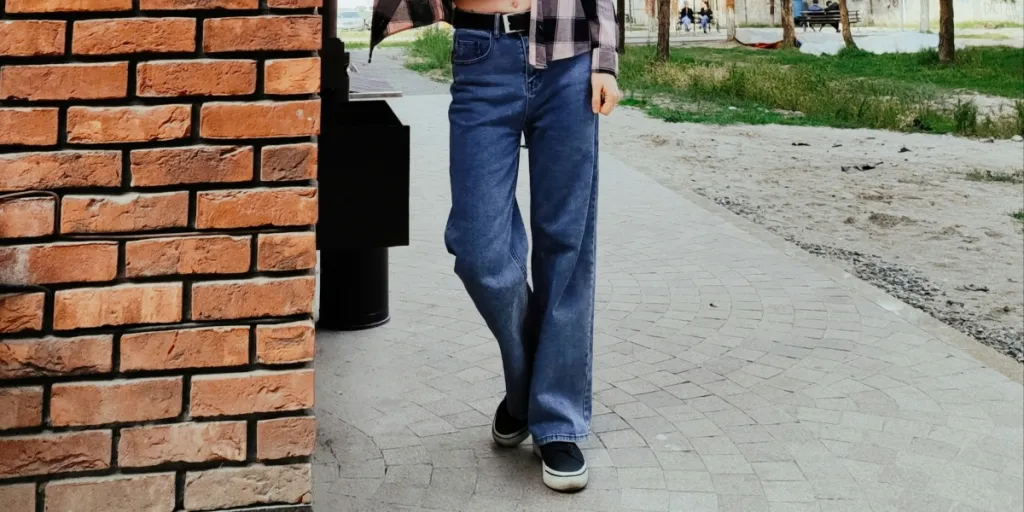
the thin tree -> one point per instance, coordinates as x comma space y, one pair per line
730, 20
788, 28
844, 16
947, 50
664, 19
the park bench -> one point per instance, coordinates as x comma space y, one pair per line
822, 18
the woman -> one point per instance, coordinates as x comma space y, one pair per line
528, 68
686, 16
705, 16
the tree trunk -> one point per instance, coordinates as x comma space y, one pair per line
730, 20
621, 19
946, 48
844, 16
926, 20
788, 28
664, 28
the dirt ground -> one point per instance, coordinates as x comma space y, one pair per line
895, 209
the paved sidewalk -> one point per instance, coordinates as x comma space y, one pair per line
729, 376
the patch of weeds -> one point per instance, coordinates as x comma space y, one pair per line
965, 117
1000, 177
431, 52
1018, 215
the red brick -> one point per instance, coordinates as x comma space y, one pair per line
194, 164
185, 348
124, 213
58, 263
172, 5
28, 126
149, 493
79, 308
262, 33
224, 488
253, 298
196, 78
291, 206
98, 125
64, 81
23, 407
245, 393
119, 401
59, 169
285, 343
286, 251
21, 312
51, 356
44, 6
134, 35
216, 254
260, 120
182, 442
19, 497
27, 217
46, 454
293, 76
290, 162
285, 437
295, 4
31, 38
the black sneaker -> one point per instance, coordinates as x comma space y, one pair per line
507, 431
564, 467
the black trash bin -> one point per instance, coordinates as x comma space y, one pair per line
364, 200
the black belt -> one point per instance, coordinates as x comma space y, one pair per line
502, 23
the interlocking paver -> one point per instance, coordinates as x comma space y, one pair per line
728, 377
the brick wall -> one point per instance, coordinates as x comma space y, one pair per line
157, 202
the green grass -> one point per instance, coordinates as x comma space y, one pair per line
991, 37
1018, 215
986, 24
999, 177
431, 52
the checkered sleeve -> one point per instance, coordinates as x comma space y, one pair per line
604, 38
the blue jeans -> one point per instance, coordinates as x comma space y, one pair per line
545, 334
705, 23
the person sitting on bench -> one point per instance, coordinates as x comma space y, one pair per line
833, 7
815, 6
686, 16
705, 16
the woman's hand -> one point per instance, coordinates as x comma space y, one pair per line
606, 92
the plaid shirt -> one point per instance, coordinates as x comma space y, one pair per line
561, 28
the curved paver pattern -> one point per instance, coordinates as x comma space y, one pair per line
728, 376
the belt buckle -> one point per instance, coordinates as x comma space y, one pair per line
506, 24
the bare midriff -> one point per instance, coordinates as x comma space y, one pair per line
494, 6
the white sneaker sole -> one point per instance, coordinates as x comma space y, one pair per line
562, 481
510, 440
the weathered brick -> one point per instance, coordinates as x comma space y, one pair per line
59, 169
45, 454
118, 401
262, 33
173, 5
28, 126
194, 164
18, 497
58, 263
253, 298
22, 407
285, 343
99, 125
31, 38
185, 348
27, 217
293, 76
80, 308
289, 162
260, 120
148, 493
133, 35
286, 251
182, 442
64, 81
285, 437
262, 391
21, 312
196, 78
123, 213
51, 356
290, 206
216, 254
295, 4
46, 6
224, 488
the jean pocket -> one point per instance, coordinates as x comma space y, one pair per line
470, 46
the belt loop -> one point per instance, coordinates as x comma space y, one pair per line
497, 24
